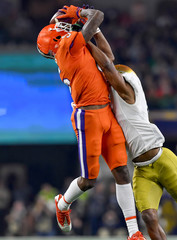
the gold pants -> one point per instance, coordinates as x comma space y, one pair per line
149, 181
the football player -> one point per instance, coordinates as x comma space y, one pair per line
155, 167
93, 121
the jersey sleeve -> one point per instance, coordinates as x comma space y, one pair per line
75, 42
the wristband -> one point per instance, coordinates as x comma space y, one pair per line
98, 30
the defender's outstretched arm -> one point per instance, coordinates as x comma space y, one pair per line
112, 75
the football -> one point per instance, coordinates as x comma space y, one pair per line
54, 19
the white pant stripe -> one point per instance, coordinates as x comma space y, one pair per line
80, 142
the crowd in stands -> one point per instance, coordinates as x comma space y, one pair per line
147, 44
96, 212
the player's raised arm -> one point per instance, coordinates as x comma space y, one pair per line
95, 18
103, 45
72, 13
112, 75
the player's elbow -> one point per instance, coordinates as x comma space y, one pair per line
107, 66
99, 16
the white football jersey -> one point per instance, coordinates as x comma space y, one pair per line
140, 134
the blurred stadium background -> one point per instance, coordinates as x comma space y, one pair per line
38, 148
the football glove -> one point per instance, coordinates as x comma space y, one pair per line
71, 12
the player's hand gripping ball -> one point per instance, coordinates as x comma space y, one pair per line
67, 14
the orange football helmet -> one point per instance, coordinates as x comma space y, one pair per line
49, 38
